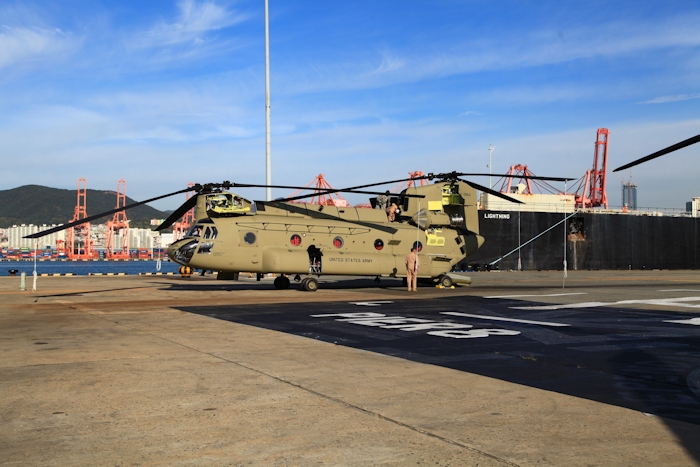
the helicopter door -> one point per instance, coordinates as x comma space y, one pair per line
315, 263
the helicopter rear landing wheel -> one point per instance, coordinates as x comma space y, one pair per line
445, 281
309, 284
282, 282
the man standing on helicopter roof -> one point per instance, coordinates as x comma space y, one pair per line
412, 268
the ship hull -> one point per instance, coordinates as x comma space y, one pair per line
591, 241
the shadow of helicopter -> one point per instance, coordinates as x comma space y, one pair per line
629, 358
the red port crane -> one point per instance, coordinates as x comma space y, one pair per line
516, 174
592, 192
412, 182
591, 189
118, 224
78, 240
320, 196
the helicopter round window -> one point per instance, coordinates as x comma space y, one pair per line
249, 238
295, 240
378, 244
338, 242
418, 246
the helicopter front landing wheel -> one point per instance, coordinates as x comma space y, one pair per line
309, 284
445, 281
282, 282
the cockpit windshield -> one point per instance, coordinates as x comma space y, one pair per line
195, 231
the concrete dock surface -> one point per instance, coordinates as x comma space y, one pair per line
126, 371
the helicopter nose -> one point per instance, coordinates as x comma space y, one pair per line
181, 252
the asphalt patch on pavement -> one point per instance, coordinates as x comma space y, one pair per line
629, 358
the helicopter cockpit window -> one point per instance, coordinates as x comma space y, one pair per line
195, 231
205, 248
210, 233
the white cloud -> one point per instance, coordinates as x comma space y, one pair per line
676, 98
510, 50
194, 21
388, 64
21, 44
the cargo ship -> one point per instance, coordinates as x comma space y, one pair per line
587, 240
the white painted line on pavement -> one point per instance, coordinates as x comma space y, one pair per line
374, 303
680, 302
694, 321
535, 295
679, 290
496, 318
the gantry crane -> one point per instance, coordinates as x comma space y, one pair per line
592, 190
320, 196
78, 240
118, 224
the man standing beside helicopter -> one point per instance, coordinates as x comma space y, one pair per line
412, 268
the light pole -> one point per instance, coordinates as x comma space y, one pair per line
268, 163
491, 148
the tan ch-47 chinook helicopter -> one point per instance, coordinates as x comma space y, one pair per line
232, 234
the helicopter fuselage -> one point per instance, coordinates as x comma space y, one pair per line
286, 238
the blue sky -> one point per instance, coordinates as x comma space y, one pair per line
161, 93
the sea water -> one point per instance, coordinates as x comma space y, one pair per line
84, 268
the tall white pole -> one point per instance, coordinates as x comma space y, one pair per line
490, 151
268, 163
563, 284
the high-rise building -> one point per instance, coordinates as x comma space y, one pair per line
16, 233
629, 196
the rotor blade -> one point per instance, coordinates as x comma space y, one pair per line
453, 175
476, 186
178, 213
353, 189
103, 214
675, 147
531, 177
210, 187
285, 187
329, 191
317, 191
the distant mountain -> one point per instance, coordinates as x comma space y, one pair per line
35, 204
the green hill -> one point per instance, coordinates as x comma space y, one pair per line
34, 204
